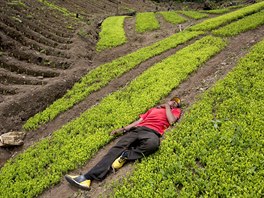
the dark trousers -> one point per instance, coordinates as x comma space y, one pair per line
137, 142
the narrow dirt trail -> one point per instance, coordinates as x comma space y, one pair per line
214, 69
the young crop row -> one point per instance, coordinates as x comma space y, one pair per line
172, 17
217, 11
146, 21
242, 25
217, 149
194, 14
43, 164
213, 23
112, 33
103, 74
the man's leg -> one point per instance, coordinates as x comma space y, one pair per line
148, 143
100, 170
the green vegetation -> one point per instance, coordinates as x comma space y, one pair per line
193, 14
112, 34
64, 11
217, 149
224, 19
146, 21
43, 164
242, 25
172, 17
217, 11
103, 74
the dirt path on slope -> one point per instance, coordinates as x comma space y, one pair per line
213, 70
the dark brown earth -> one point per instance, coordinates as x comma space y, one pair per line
29, 82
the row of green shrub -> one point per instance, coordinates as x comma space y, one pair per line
218, 148
172, 17
226, 18
247, 23
103, 74
43, 164
194, 14
146, 21
112, 33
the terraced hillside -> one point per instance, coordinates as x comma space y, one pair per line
44, 45
182, 59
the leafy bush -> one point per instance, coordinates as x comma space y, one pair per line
112, 34
43, 164
146, 21
217, 149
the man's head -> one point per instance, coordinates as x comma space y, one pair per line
175, 102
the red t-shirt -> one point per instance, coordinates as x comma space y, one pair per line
156, 119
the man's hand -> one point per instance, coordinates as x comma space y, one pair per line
171, 118
115, 132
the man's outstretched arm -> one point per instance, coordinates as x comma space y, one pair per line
126, 128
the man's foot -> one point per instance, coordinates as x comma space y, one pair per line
119, 162
79, 181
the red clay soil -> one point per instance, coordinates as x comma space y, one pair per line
189, 90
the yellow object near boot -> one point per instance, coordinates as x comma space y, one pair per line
118, 163
79, 181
